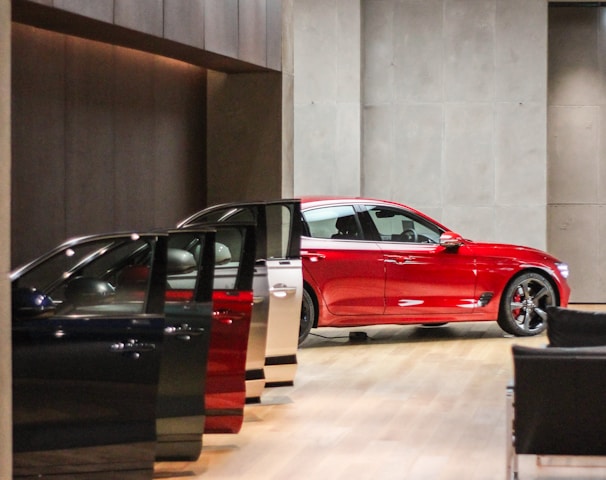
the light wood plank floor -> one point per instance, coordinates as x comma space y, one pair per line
409, 403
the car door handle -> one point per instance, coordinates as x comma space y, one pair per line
279, 290
132, 348
226, 316
313, 256
396, 259
183, 332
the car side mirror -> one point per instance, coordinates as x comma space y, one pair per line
31, 303
451, 240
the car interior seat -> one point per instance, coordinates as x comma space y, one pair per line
347, 228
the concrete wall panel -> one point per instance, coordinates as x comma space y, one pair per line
469, 44
327, 97
378, 75
471, 221
573, 154
275, 24
221, 26
418, 51
574, 67
347, 149
184, 21
416, 172
440, 82
469, 169
520, 70
99, 9
315, 149
315, 52
348, 56
520, 155
146, 17
520, 224
378, 127
568, 225
577, 152
252, 31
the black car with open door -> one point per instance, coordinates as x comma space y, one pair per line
89, 342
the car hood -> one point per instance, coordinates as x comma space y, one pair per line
516, 252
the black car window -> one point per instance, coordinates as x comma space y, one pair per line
338, 223
229, 251
395, 225
105, 276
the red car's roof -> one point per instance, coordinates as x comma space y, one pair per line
327, 199
321, 200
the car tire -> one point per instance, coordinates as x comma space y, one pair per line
523, 305
308, 316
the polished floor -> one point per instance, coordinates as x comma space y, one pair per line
406, 403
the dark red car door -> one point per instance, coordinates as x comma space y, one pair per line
86, 359
232, 309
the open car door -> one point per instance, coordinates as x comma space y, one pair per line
86, 358
232, 311
232, 299
285, 281
278, 287
188, 309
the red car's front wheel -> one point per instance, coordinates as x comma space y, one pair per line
523, 305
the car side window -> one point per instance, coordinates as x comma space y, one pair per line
338, 223
109, 276
394, 225
278, 223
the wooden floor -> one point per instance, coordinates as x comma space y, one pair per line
409, 403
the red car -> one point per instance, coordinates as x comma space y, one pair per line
369, 262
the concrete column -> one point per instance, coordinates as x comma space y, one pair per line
288, 81
5, 229
327, 97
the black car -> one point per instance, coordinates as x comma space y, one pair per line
89, 329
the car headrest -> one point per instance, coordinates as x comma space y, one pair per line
222, 254
180, 261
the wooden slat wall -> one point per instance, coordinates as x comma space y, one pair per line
104, 138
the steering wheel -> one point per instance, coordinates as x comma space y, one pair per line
408, 235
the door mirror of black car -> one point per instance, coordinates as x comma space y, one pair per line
451, 240
31, 303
